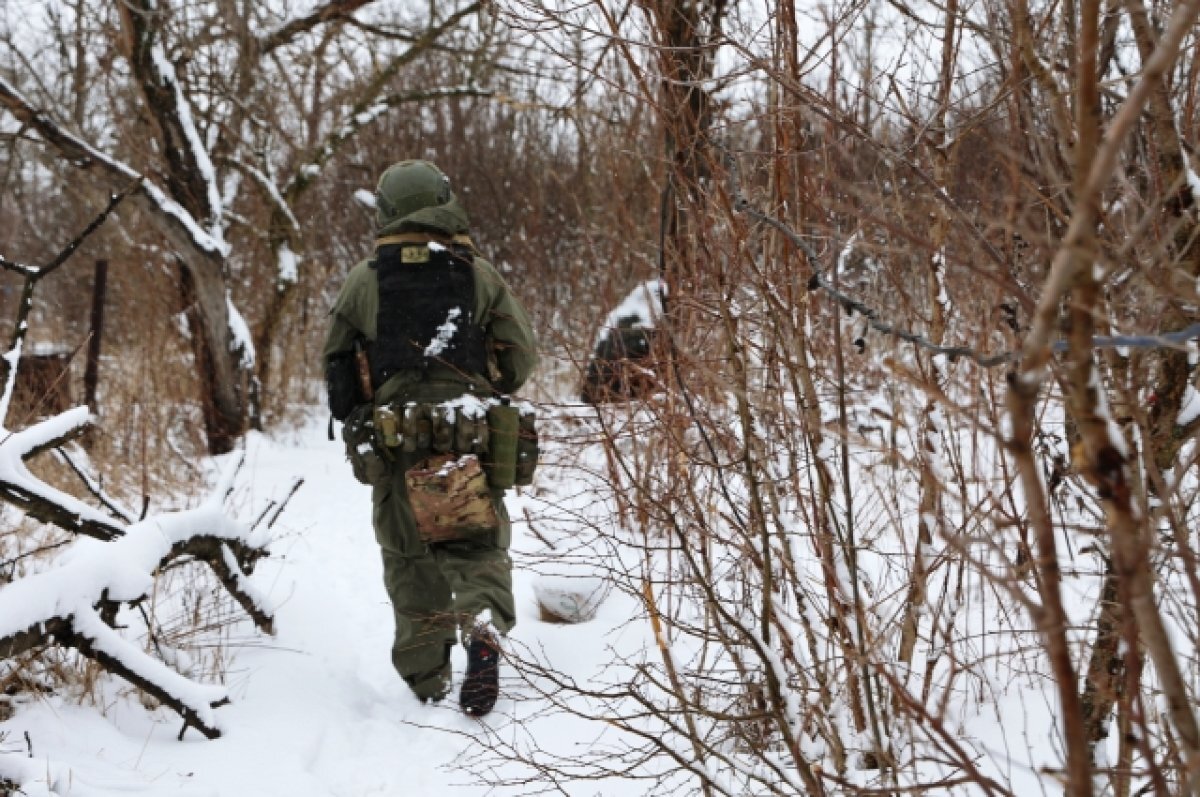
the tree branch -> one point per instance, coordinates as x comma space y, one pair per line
330, 12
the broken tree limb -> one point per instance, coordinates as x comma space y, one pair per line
87, 633
41, 501
230, 561
58, 606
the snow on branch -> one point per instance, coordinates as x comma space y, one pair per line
265, 180
240, 340
165, 73
39, 500
174, 219
60, 606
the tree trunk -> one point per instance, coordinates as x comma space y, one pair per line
219, 358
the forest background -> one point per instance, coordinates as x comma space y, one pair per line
918, 417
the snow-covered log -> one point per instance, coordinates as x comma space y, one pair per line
59, 606
92, 637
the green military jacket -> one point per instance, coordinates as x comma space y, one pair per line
510, 341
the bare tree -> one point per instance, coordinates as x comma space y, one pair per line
199, 96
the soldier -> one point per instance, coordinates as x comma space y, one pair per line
439, 328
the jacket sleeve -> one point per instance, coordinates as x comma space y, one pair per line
340, 337
351, 316
509, 331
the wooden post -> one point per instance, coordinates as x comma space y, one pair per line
91, 374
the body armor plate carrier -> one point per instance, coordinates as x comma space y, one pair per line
426, 311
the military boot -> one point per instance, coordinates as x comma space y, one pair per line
481, 686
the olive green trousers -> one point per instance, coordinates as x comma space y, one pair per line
438, 591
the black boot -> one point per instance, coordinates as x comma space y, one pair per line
481, 686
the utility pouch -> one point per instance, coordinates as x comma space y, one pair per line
501, 463
527, 449
358, 433
450, 498
341, 385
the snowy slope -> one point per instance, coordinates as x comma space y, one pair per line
318, 710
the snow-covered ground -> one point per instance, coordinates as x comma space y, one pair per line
317, 709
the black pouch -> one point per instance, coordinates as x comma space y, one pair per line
358, 433
341, 385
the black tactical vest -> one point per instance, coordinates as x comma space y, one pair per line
426, 311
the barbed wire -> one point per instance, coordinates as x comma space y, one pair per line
875, 320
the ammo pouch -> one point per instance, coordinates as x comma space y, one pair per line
450, 498
358, 433
501, 437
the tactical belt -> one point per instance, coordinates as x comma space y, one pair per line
503, 437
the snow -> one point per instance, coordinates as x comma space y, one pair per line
197, 697
1190, 409
470, 407
445, 332
12, 357
318, 709
239, 330
15, 445
39, 777
266, 181
365, 198
572, 598
643, 305
288, 265
1116, 438
1193, 182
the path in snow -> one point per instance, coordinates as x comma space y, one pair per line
318, 710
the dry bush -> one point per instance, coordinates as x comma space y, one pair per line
835, 519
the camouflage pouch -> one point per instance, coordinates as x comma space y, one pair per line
358, 433
450, 499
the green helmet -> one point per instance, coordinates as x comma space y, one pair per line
407, 187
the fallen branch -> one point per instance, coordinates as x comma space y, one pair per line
58, 606
91, 636
39, 500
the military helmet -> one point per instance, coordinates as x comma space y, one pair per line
407, 187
